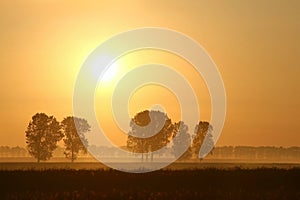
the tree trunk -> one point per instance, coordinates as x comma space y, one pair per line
38, 153
72, 156
72, 152
151, 156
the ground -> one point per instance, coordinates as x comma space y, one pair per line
202, 183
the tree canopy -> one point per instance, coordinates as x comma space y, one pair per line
155, 124
42, 134
203, 131
181, 141
75, 141
161, 131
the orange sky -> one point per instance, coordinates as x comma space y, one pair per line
255, 44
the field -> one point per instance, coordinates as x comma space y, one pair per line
176, 182
228, 164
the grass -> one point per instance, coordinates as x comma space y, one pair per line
210, 183
174, 166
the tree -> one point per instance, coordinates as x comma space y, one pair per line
142, 126
202, 130
42, 135
181, 141
74, 130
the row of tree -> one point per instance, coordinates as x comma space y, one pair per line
149, 131
44, 132
152, 130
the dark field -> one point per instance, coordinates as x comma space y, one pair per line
216, 164
232, 183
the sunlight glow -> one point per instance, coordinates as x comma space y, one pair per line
110, 73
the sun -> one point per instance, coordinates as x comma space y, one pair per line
110, 73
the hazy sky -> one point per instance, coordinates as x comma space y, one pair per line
255, 44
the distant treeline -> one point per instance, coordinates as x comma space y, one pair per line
6, 151
221, 152
256, 153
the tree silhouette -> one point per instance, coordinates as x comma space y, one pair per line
74, 129
42, 134
182, 141
202, 130
142, 126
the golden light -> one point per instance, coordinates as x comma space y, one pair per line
147, 97
110, 73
